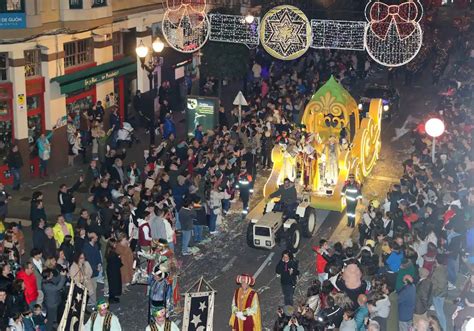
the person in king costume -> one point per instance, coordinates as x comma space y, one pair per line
245, 306
160, 322
331, 151
102, 319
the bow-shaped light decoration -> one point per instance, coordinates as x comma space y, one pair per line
404, 16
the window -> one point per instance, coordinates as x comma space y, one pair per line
75, 4
99, 3
78, 52
3, 66
117, 43
32, 63
12, 6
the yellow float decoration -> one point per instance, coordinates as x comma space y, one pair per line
332, 114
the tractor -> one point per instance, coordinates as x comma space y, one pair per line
276, 227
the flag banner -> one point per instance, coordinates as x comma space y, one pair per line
73, 316
198, 311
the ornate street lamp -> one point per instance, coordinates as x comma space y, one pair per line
142, 52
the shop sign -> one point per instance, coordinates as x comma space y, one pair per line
201, 111
12, 21
90, 81
20, 101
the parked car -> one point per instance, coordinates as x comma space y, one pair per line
390, 99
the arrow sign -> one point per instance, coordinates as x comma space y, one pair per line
240, 100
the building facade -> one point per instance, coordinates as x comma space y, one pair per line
58, 58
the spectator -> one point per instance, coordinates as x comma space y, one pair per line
406, 304
15, 163
81, 272
287, 269
52, 288
66, 200
62, 229
27, 275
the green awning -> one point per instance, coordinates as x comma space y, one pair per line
88, 77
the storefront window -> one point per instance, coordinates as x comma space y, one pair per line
5, 138
32, 63
3, 66
34, 131
78, 107
33, 102
4, 107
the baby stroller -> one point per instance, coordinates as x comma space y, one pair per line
126, 135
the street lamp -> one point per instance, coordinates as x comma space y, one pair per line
434, 127
249, 18
142, 52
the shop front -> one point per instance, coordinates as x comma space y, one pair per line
80, 87
6, 129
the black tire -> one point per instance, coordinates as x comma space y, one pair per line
308, 223
250, 235
293, 238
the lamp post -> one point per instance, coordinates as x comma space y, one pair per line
142, 52
434, 127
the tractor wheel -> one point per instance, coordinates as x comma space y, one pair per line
308, 223
293, 238
250, 242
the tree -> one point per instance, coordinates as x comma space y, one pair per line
224, 60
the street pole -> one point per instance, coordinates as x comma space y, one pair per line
240, 115
433, 148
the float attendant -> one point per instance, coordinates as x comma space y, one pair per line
245, 306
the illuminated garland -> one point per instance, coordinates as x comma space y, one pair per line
393, 35
338, 34
234, 29
185, 29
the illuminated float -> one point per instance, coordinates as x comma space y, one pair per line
340, 139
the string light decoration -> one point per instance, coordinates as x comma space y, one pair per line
234, 29
393, 36
185, 29
329, 34
285, 32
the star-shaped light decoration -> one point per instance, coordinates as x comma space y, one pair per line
196, 320
202, 306
78, 296
286, 32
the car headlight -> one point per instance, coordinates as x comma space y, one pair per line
268, 242
360, 106
257, 242
386, 107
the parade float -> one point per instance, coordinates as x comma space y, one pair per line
339, 139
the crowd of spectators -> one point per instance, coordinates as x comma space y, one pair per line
413, 262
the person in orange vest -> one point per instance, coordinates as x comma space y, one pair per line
245, 306
245, 187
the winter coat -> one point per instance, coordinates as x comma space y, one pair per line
66, 200
406, 303
440, 281
59, 234
14, 160
31, 288
186, 217
52, 291
92, 254
382, 308
423, 296
283, 269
